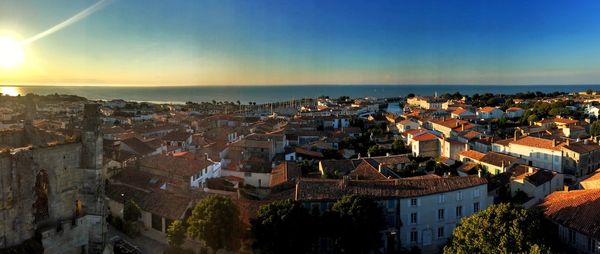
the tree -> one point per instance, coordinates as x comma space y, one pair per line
216, 221
399, 146
375, 150
131, 211
176, 233
531, 118
595, 129
502, 228
282, 227
360, 220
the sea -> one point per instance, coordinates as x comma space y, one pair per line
272, 93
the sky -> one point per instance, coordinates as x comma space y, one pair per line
241, 42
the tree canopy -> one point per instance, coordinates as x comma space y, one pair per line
595, 128
283, 227
216, 221
502, 228
360, 220
131, 211
176, 233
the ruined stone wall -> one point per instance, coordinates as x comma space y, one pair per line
19, 177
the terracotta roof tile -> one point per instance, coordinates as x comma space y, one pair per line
321, 189
576, 209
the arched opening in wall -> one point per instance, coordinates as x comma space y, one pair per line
40, 207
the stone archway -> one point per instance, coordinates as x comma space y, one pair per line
41, 189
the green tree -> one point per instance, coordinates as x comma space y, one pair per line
595, 129
532, 118
131, 211
502, 228
283, 227
375, 150
399, 146
360, 220
176, 233
216, 221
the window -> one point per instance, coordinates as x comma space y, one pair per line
440, 233
390, 204
476, 207
591, 245
440, 214
413, 218
459, 211
157, 222
413, 202
476, 193
414, 235
459, 195
441, 198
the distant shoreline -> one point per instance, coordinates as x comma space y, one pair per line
267, 94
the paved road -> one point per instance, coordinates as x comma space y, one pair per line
147, 245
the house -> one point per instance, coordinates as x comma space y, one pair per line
580, 158
489, 113
420, 211
186, 167
576, 215
537, 152
536, 183
514, 112
493, 162
181, 140
592, 110
463, 114
159, 208
426, 145
451, 127
574, 131
299, 154
452, 147
406, 125
140, 148
591, 182
285, 173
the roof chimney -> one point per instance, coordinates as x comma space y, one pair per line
380, 167
387, 154
530, 170
568, 141
358, 155
553, 142
479, 173
515, 136
462, 127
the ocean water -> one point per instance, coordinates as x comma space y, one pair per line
263, 94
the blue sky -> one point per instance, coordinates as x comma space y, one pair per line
217, 42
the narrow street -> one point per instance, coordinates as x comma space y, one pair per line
147, 245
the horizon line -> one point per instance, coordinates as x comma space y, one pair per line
95, 84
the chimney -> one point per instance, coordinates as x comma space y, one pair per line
515, 135
380, 167
358, 155
369, 155
530, 170
568, 141
566, 188
387, 154
479, 173
502, 165
462, 127
345, 181
553, 142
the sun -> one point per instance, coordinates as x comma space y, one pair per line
11, 52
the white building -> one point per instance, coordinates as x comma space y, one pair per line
489, 113
537, 152
423, 217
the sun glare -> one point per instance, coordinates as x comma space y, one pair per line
9, 90
11, 52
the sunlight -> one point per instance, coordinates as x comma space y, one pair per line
11, 52
9, 90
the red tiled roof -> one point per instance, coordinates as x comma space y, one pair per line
511, 109
475, 155
576, 209
425, 137
565, 120
537, 143
321, 189
487, 109
366, 171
